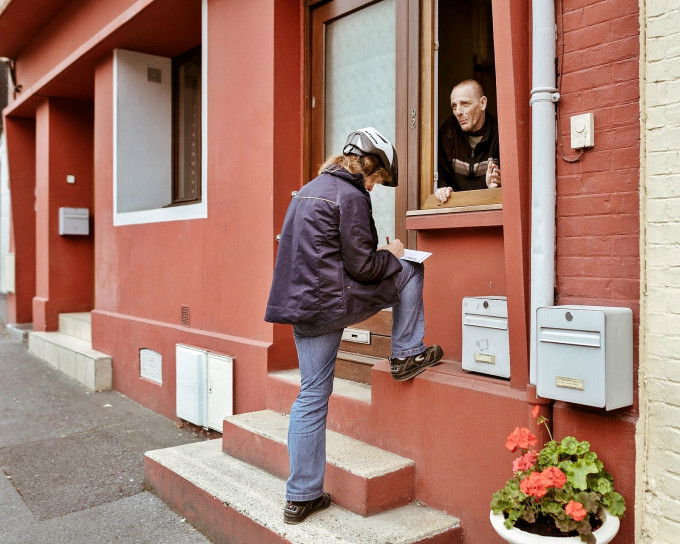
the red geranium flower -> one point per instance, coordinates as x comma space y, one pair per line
575, 510
535, 485
556, 477
520, 438
535, 411
525, 462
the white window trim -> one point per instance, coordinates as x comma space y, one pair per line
186, 211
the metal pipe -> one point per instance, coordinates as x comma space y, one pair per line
544, 95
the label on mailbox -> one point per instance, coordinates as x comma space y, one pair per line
485, 358
569, 383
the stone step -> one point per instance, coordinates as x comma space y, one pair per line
74, 357
359, 477
233, 502
76, 324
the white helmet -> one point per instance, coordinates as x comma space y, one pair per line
368, 141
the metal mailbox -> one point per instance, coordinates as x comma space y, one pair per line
584, 355
486, 348
74, 221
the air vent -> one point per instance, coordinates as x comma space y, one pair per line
184, 316
153, 75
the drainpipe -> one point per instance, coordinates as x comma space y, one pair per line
544, 96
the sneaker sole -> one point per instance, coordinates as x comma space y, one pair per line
413, 373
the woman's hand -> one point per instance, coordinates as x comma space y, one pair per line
395, 247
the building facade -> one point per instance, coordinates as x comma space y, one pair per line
183, 127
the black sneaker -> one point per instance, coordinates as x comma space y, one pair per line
297, 511
409, 367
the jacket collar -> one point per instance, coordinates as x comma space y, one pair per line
355, 179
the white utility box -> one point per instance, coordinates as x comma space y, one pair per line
74, 221
486, 347
205, 384
584, 355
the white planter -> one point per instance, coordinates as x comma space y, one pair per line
603, 535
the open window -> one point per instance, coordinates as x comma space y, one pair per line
158, 134
457, 44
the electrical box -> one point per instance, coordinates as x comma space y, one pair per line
584, 355
192, 384
74, 221
205, 385
582, 131
486, 347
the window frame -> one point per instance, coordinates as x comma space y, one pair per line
178, 63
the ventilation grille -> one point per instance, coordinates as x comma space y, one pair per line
153, 75
184, 316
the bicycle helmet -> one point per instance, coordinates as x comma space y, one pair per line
368, 141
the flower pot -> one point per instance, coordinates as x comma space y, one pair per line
603, 535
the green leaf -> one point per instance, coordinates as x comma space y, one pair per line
569, 445
603, 486
577, 473
615, 503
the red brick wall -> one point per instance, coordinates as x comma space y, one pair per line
598, 196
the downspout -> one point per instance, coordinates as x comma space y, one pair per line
544, 96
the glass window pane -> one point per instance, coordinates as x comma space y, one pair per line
188, 126
360, 87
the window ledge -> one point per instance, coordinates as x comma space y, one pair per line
488, 215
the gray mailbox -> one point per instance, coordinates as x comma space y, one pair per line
486, 348
585, 355
74, 221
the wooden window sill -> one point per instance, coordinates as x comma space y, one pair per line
467, 209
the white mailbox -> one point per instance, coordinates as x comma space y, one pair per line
74, 221
585, 355
486, 348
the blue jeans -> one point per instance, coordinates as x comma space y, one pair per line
317, 346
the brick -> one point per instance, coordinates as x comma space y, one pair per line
586, 79
663, 211
572, 20
626, 158
663, 162
661, 233
585, 37
666, 139
626, 26
569, 266
668, 257
626, 245
658, 117
606, 11
626, 114
663, 47
615, 94
625, 288
611, 267
662, 186
663, 71
582, 287
662, 24
626, 70
569, 226
582, 246
611, 224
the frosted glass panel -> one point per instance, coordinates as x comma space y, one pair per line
360, 88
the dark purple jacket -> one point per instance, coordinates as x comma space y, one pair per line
327, 264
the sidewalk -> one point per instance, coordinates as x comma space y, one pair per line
71, 461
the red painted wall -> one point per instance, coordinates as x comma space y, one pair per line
64, 266
20, 134
219, 267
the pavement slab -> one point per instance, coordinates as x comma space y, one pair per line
71, 460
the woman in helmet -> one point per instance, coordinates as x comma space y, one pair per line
331, 274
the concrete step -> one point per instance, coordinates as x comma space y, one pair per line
76, 324
74, 357
233, 502
359, 477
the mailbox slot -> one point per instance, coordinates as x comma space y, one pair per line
486, 348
